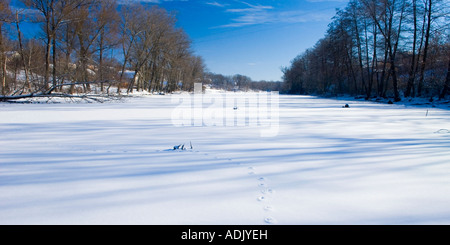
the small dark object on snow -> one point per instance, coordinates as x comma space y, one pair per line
181, 147
235, 108
346, 106
390, 102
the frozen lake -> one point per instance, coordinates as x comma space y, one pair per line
114, 163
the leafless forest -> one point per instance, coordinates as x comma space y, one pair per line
389, 48
100, 47
386, 49
77, 45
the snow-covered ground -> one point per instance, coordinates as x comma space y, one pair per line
114, 163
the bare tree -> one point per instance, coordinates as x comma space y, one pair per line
53, 14
4, 16
80, 37
17, 21
107, 23
130, 28
396, 44
428, 11
412, 70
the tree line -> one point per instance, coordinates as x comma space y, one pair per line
388, 48
100, 46
240, 82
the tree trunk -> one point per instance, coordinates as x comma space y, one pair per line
47, 62
394, 74
100, 68
4, 76
22, 56
358, 43
131, 84
412, 70
394, 79
55, 82
349, 65
383, 80
2, 61
425, 51
446, 88
374, 59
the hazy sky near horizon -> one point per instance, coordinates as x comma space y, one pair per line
255, 38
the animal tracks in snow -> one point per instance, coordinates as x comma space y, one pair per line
250, 171
266, 194
270, 220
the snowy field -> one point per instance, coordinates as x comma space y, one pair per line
114, 163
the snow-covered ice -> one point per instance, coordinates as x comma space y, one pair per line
114, 163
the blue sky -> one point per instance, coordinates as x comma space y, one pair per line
249, 37
252, 38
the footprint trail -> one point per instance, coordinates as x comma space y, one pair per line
266, 195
